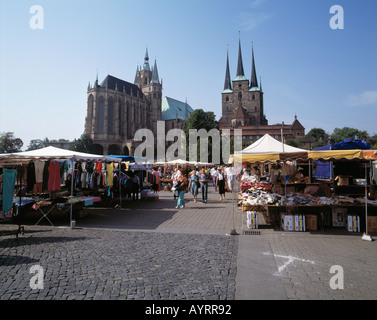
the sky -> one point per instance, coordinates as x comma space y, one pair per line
325, 76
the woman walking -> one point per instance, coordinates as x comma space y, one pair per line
181, 191
193, 184
220, 182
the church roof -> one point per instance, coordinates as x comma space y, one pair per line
173, 109
240, 113
112, 82
297, 124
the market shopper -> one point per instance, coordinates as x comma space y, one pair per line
203, 179
193, 184
214, 173
183, 183
156, 181
220, 182
135, 186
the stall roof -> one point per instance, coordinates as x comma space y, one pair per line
346, 145
325, 155
268, 144
52, 153
129, 158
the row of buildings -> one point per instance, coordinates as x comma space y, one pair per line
116, 109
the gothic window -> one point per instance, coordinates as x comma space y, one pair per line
253, 96
110, 113
90, 104
120, 118
227, 99
239, 95
101, 115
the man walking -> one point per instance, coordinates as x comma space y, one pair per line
203, 179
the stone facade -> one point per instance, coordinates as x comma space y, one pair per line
116, 109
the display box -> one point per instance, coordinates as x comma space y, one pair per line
311, 222
246, 206
252, 219
338, 217
343, 180
372, 224
287, 222
299, 223
353, 223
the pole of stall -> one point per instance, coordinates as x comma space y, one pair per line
72, 182
366, 236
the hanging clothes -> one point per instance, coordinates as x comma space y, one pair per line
109, 170
54, 176
45, 175
9, 182
30, 176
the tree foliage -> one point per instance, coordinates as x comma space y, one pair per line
200, 119
348, 133
83, 144
37, 144
9, 144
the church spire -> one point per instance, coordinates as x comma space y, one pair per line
253, 80
227, 84
146, 60
240, 72
155, 73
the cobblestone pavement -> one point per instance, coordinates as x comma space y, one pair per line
149, 250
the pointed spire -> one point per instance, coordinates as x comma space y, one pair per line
146, 60
227, 84
136, 75
96, 82
253, 80
155, 73
240, 71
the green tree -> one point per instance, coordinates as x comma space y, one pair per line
83, 144
373, 141
321, 137
339, 135
9, 144
37, 144
200, 119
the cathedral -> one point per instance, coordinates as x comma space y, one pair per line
243, 108
116, 109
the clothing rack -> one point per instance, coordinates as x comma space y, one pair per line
21, 229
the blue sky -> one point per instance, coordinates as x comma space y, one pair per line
327, 77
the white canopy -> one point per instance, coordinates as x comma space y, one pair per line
268, 144
54, 153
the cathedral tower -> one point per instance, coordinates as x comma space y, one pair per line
242, 100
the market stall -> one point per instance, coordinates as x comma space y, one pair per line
50, 177
309, 197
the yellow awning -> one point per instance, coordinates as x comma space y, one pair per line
252, 158
335, 154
